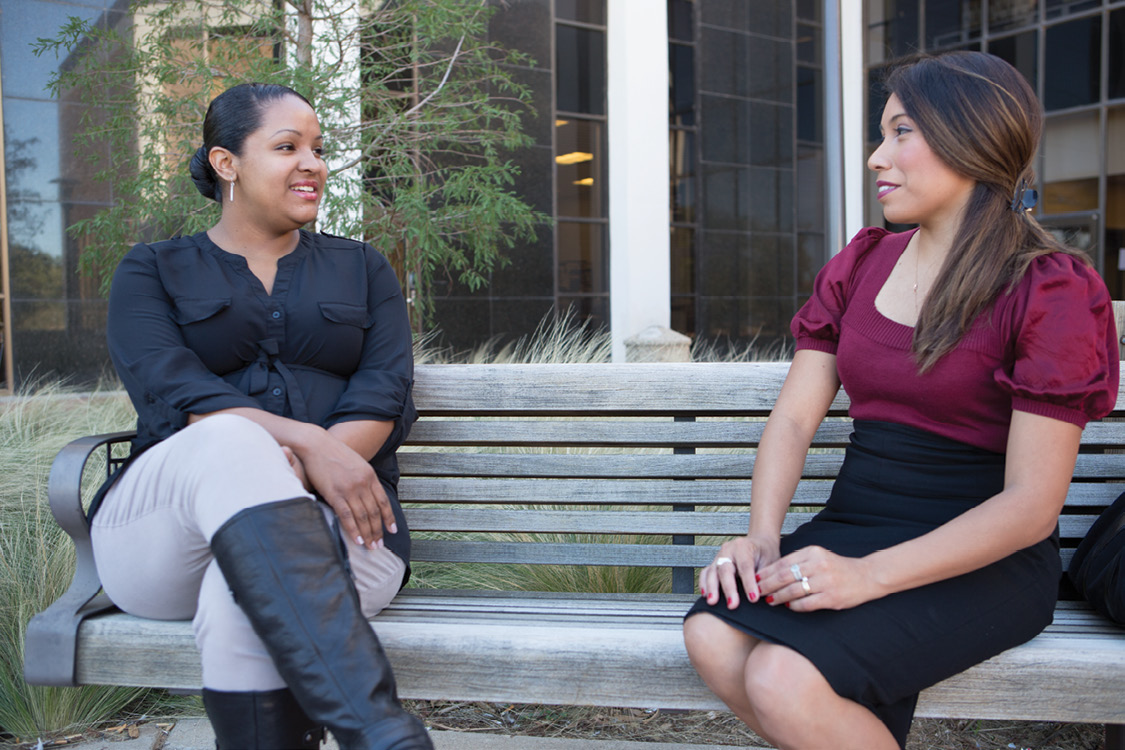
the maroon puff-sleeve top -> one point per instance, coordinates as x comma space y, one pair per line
1048, 347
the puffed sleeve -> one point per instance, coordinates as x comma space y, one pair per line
165, 379
817, 324
1063, 359
380, 387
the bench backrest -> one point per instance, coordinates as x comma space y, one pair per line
628, 465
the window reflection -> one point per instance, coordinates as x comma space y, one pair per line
583, 263
1115, 202
1012, 13
580, 73
580, 168
1071, 165
1116, 68
586, 11
1021, 52
952, 22
682, 162
1056, 8
1073, 62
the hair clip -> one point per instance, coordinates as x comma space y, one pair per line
1025, 198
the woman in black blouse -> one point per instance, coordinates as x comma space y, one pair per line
271, 369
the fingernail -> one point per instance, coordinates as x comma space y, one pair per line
757, 578
769, 600
379, 543
703, 592
753, 597
359, 541
730, 601
393, 528
787, 605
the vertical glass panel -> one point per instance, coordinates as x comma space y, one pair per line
681, 147
1073, 63
681, 85
1058, 8
683, 260
810, 259
583, 262
876, 101
580, 186
810, 109
892, 29
681, 24
683, 314
811, 192
593, 309
1021, 52
1071, 165
580, 70
1115, 203
1117, 54
525, 26
952, 23
809, 10
25, 74
586, 11
1010, 14
810, 44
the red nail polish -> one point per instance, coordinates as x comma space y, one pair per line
769, 600
787, 605
757, 578
730, 601
753, 597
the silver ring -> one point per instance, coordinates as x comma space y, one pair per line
720, 561
795, 569
805, 585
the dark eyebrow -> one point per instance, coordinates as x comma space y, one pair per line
319, 136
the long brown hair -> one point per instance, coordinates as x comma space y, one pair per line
980, 117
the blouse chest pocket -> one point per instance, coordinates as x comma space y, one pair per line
346, 313
187, 310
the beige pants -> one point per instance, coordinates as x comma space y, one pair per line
152, 541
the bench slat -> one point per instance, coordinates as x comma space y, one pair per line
569, 553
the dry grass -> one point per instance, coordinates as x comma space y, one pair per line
723, 729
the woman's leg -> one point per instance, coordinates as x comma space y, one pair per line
777, 692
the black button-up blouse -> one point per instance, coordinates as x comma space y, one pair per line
192, 330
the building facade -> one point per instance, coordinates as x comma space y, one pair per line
701, 159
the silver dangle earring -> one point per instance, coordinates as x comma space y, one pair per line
232, 190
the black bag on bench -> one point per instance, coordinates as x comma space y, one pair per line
1097, 569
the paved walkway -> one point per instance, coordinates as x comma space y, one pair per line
195, 734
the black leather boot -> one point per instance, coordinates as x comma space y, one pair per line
268, 720
286, 570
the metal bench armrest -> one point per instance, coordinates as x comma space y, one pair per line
51, 639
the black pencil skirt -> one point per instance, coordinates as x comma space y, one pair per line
897, 483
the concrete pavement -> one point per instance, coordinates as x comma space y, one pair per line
196, 734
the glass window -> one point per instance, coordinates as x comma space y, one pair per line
1117, 54
1012, 13
580, 70
680, 13
1073, 62
951, 23
681, 84
1057, 8
580, 186
1021, 52
810, 44
1115, 203
892, 29
809, 10
1070, 165
586, 11
583, 262
593, 309
682, 162
810, 101
683, 261
22, 22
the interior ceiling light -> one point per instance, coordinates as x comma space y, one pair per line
574, 157
585, 181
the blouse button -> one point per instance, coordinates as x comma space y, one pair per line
277, 391
276, 314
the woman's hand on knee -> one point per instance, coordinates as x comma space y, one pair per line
814, 578
738, 559
350, 486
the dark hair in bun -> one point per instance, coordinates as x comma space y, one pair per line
232, 116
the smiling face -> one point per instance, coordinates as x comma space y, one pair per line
915, 186
280, 174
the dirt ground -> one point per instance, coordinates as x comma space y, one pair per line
720, 728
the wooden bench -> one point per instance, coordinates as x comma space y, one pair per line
591, 457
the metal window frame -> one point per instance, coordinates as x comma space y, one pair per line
5, 287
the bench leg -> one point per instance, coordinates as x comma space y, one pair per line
1115, 737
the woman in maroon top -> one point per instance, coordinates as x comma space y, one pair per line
974, 349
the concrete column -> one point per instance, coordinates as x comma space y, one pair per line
637, 92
